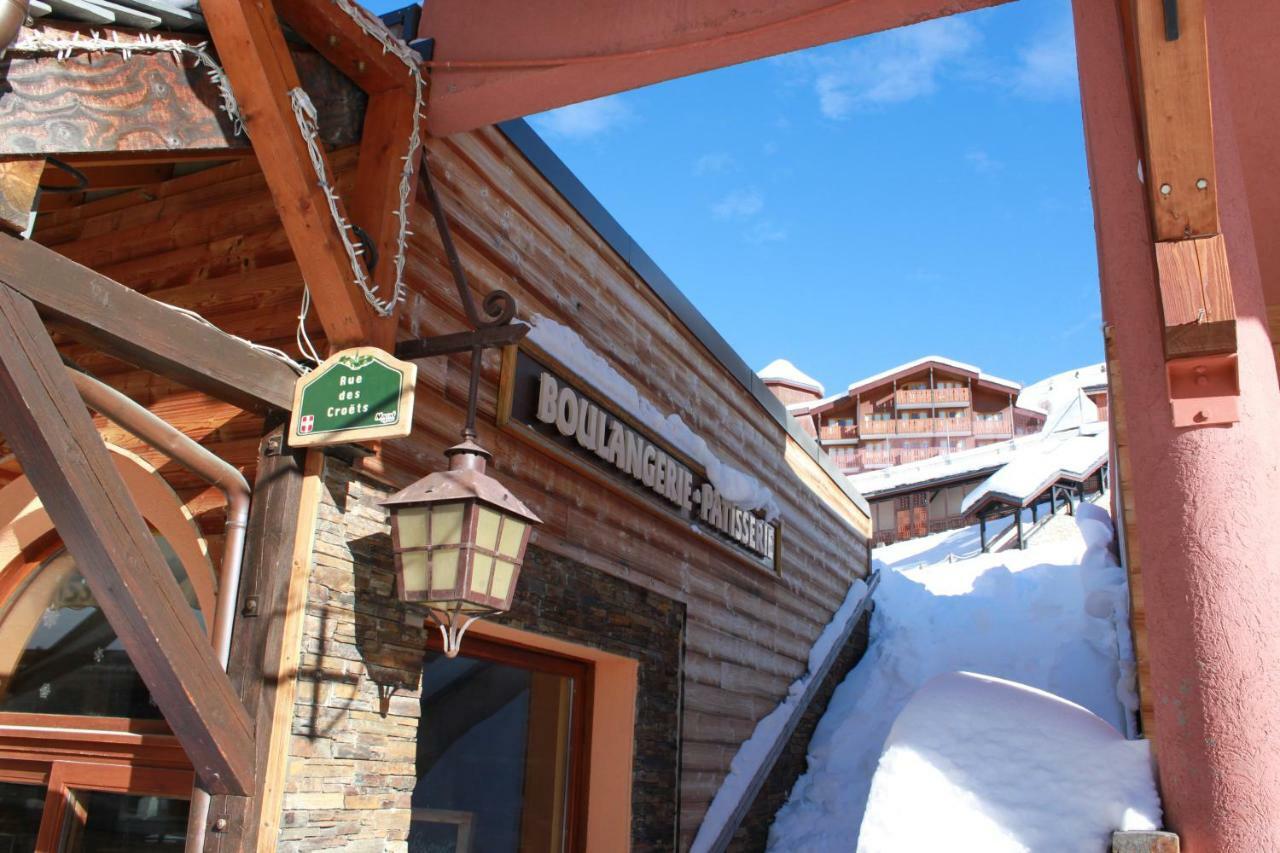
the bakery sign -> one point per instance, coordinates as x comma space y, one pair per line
591, 428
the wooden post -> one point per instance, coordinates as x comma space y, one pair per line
268, 636
1022, 543
19, 185
982, 529
51, 433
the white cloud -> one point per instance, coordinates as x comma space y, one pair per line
713, 163
892, 67
982, 162
587, 119
739, 204
765, 232
1047, 66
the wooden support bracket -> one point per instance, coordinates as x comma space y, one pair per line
53, 436
19, 185
262, 74
1196, 300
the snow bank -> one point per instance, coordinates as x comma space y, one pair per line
997, 766
1052, 617
565, 346
755, 749
781, 370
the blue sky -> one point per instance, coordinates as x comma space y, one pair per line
864, 203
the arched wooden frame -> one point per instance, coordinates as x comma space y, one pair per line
91, 753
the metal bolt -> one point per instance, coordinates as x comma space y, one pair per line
1202, 415
1202, 184
333, 40
360, 66
1165, 189
220, 825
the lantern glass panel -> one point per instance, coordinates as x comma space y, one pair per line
512, 536
411, 522
487, 524
446, 524
413, 565
503, 572
481, 572
444, 570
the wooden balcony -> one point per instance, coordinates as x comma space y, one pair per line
915, 426
951, 395
871, 426
836, 432
916, 454
953, 426
999, 426
918, 397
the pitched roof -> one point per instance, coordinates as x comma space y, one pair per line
781, 370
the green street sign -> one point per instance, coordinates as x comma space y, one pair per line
357, 394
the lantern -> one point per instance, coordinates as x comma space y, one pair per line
459, 537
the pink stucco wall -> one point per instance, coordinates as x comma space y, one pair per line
1207, 500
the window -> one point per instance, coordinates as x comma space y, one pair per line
500, 758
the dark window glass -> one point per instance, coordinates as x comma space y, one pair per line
102, 822
493, 758
71, 660
20, 810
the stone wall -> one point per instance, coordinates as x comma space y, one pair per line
351, 768
753, 834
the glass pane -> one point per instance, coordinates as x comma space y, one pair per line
58, 653
512, 533
481, 569
20, 810
411, 524
446, 524
444, 569
124, 823
493, 757
415, 569
502, 575
487, 528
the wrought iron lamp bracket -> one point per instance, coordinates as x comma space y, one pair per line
492, 322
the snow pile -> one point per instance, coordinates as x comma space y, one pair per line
757, 747
999, 766
1053, 617
1040, 395
781, 370
565, 346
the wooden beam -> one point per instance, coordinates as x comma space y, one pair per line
142, 331
268, 639
262, 74
1177, 120
556, 52
1195, 297
341, 41
115, 177
53, 436
388, 125
19, 185
145, 105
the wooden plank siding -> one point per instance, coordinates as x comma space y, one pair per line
211, 242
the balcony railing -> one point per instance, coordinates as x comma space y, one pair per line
954, 426
835, 432
873, 426
915, 426
934, 396
992, 426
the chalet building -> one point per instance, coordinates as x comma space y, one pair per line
217, 627
925, 408
1069, 453
792, 386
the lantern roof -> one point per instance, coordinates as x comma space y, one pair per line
465, 479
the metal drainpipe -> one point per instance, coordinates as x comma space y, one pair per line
164, 437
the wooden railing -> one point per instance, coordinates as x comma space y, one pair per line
834, 432
871, 426
926, 396
951, 395
916, 454
915, 426
954, 426
998, 426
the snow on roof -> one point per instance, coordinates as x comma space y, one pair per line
870, 483
1039, 394
781, 370
1073, 454
949, 362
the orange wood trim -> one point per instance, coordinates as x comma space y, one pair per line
257, 62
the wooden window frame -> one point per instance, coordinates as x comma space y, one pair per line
583, 673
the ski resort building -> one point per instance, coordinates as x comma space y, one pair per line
961, 488
928, 407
